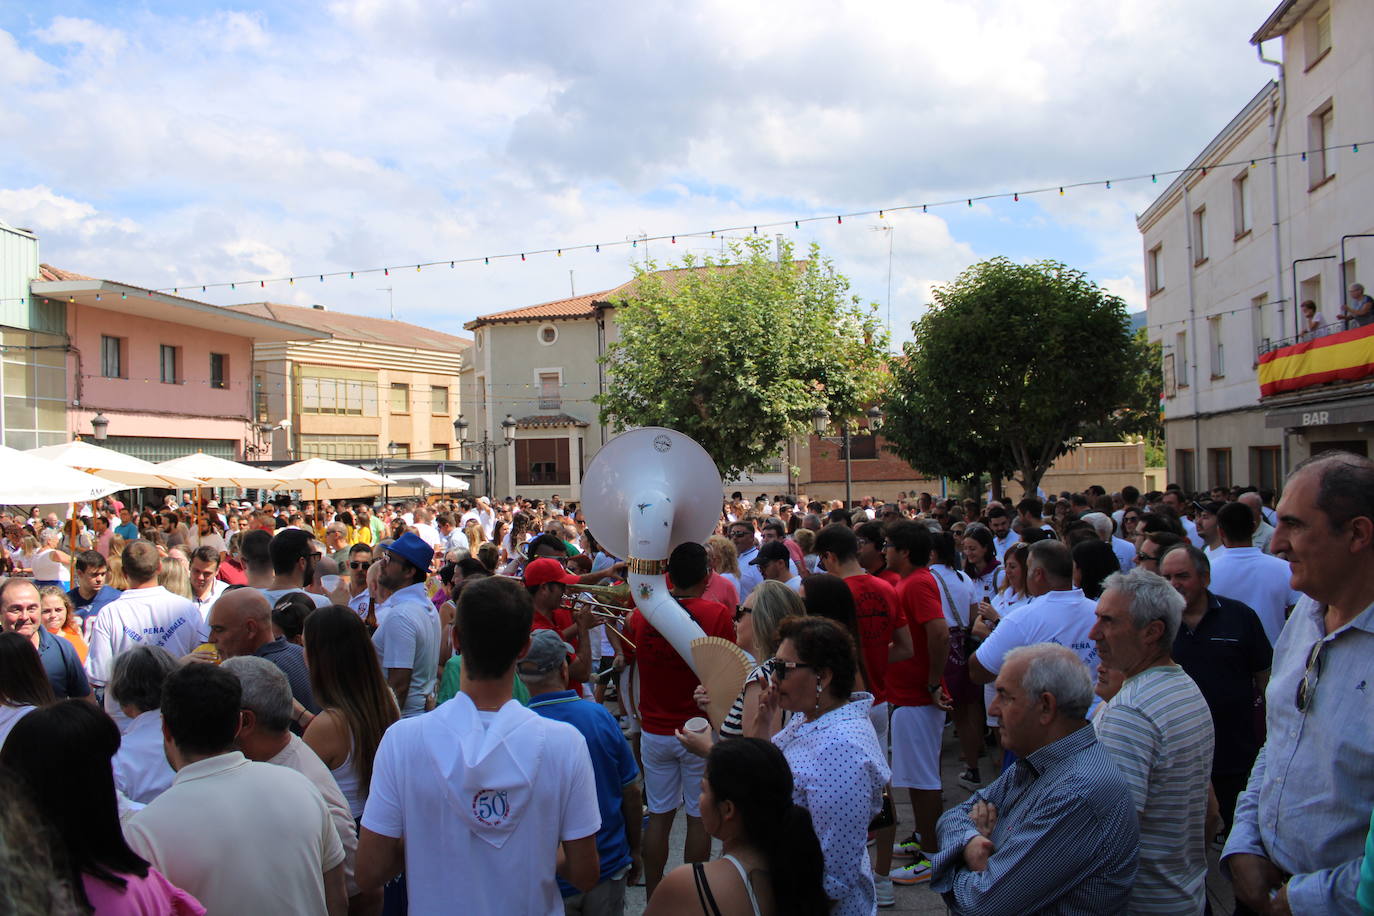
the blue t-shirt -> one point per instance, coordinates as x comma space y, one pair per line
613, 764
63, 666
128, 532
87, 609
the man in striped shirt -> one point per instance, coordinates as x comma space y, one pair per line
1158, 730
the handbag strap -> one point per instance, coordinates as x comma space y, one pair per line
950, 598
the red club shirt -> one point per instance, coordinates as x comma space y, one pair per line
666, 682
919, 598
875, 606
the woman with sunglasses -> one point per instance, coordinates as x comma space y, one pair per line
838, 767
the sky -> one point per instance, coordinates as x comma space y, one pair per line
180, 144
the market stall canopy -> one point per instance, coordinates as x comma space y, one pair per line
28, 480
441, 482
112, 465
209, 471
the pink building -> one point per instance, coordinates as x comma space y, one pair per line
169, 375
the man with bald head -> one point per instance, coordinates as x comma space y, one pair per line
1057, 831
1264, 532
146, 614
241, 624
1299, 838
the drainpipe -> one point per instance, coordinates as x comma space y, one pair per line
1275, 129
1196, 380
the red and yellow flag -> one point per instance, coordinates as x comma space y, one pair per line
1341, 357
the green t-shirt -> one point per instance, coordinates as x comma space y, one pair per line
453, 671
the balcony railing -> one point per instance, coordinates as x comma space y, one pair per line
1324, 356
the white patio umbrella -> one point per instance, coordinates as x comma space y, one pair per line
29, 480
210, 471
443, 482
112, 465
316, 471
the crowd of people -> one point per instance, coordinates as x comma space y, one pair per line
428, 707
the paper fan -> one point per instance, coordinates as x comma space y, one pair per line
722, 667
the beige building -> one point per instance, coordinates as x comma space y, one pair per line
373, 384
1234, 243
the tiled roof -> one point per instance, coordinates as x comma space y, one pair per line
347, 326
576, 307
56, 275
586, 306
543, 421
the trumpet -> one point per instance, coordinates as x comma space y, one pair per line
616, 604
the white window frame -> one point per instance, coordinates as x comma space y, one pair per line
539, 386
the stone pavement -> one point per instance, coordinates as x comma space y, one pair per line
919, 898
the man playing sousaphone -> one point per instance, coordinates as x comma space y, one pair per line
672, 775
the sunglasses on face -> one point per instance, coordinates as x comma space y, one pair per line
359, 564
740, 611
778, 669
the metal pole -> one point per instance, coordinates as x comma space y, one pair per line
848, 482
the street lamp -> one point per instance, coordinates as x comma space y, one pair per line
391, 448
820, 419
100, 427
486, 446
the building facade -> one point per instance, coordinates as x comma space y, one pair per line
1275, 211
168, 375
359, 388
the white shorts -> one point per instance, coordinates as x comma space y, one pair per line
917, 732
672, 774
877, 714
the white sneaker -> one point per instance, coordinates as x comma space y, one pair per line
883, 886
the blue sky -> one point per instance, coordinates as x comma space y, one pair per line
185, 143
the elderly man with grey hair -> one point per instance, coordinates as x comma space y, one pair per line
141, 770
1158, 729
1105, 529
1056, 832
1264, 532
265, 736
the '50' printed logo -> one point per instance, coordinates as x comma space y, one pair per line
490, 807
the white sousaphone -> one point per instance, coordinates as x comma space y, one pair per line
645, 492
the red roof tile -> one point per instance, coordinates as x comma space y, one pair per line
587, 306
541, 421
347, 326
56, 275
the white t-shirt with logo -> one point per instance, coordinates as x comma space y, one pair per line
482, 800
142, 617
1061, 617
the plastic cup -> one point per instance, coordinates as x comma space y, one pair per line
331, 583
696, 725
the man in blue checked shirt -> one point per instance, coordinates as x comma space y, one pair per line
1057, 831
1298, 841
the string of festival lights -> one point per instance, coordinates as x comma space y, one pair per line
1060, 190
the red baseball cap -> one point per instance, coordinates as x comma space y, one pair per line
547, 569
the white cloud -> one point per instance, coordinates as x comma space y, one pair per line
264, 142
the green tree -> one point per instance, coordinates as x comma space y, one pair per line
1138, 418
1010, 366
738, 352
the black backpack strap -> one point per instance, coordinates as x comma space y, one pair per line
704, 895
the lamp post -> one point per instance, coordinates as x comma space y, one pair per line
391, 448
486, 446
820, 418
100, 427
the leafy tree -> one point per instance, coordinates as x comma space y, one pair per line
1138, 418
738, 352
1008, 369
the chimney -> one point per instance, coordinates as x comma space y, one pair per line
318, 307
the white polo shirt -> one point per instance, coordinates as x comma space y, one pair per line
141, 770
241, 837
1061, 617
408, 637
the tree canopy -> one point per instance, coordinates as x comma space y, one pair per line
1008, 368
739, 351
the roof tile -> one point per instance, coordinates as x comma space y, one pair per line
347, 326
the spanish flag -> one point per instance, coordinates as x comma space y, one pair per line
1341, 357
